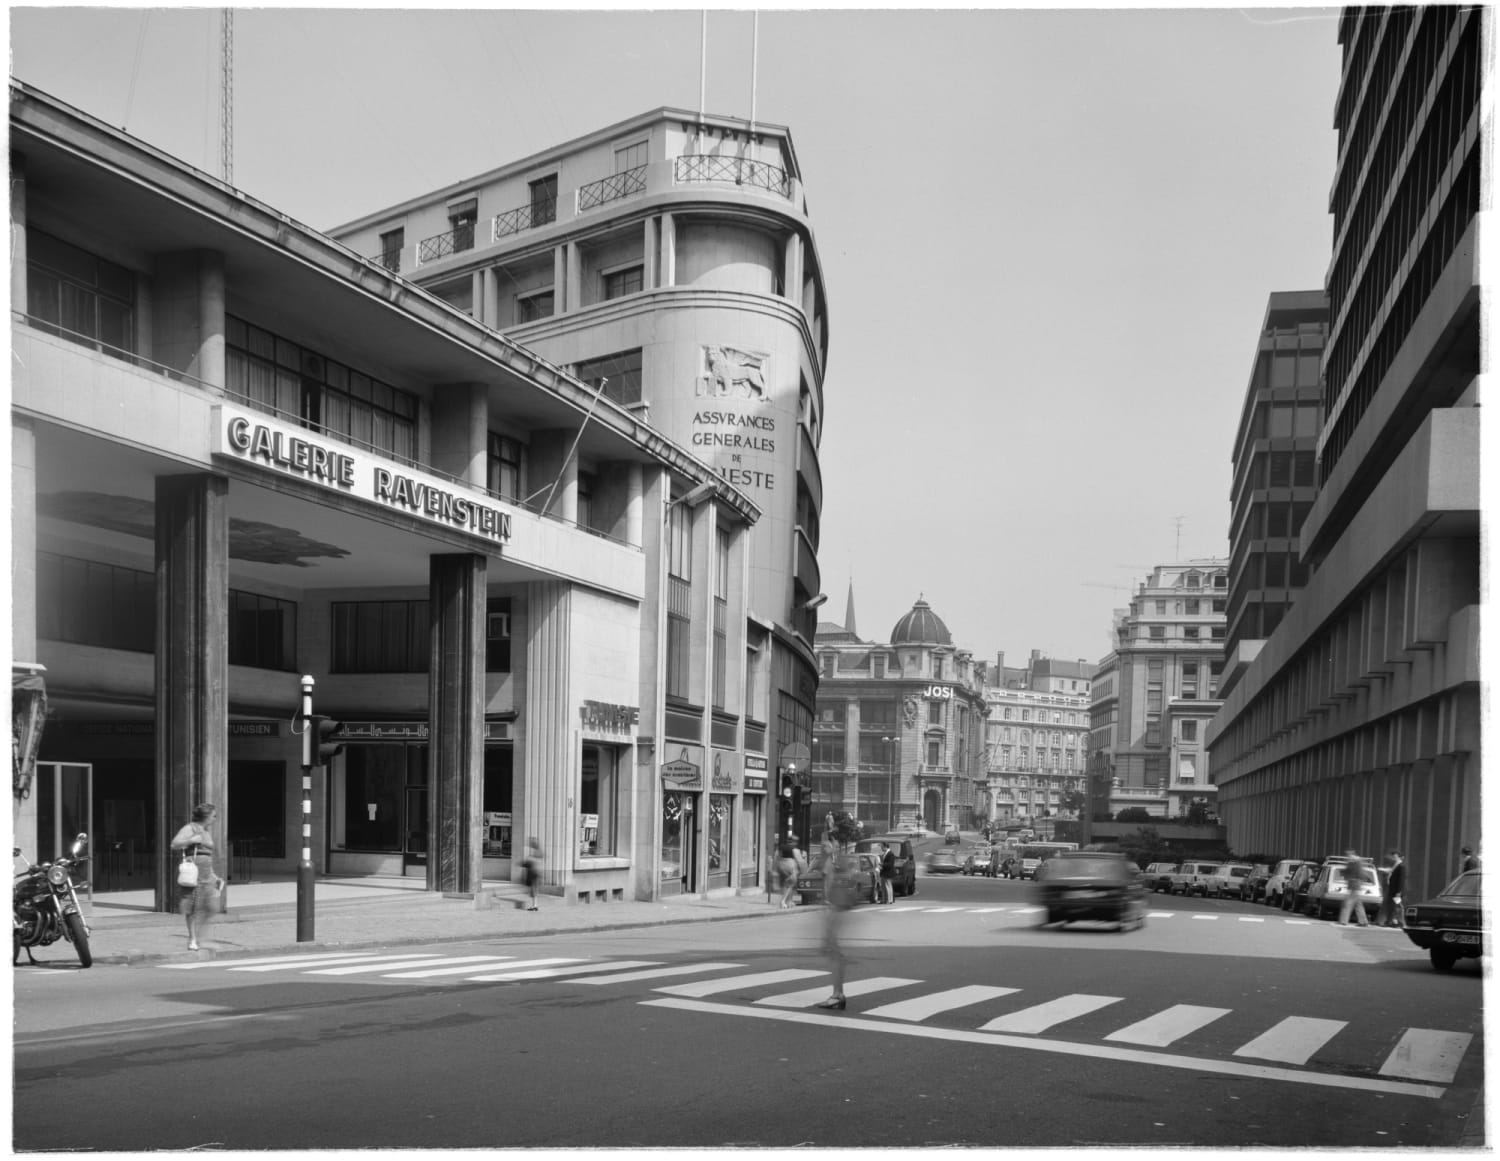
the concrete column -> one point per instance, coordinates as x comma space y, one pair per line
18, 301
22, 539
490, 314
668, 250
791, 265
192, 663
187, 315
455, 780
560, 300
575, 277
460, 431
548, 780
545, 453
211, 319
652, 258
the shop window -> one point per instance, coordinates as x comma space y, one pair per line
262, 631
599, 801
380, 637
752, 811
720, 830
498, 802
84, 298
497, 635
84, 602
257, 825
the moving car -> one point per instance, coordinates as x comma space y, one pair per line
1450, 926
979, 860
952, 837
1281, 875
1092, 885
864, 869
905, 882
1032, 855
1326, 893
1159, 876
1226, 879
944, 862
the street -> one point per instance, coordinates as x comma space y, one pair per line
1221, 1023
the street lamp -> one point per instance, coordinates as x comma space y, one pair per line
890, 783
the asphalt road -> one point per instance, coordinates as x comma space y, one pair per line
1219, 1024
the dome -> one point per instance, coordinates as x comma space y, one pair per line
921, 626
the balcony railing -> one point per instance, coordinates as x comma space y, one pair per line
390, 259
612, 188
453, 242
733, 171
541, 212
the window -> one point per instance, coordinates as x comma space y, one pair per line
390, 249
721, 607
87, 603
587, 483
1192, 607
1190, 632
1217, 632
1275, 570
828, 663
272, 374
1007, 712
598, 801
262, 631
503, 467
935, 713
84, 298
937, 668
934, 753
1193, 580
1161, 608
1304, 468
1157, 632
1281, 470
381, 637
530, 307
544, 200
877, 715
1189, 731
619, 283
497, 635
679, 599
1025, 715
1189, 679
1153, 729
1187, 767
828, 749
1218, 604
1221, 580
623, 372
877, 665
630, 156
461, 219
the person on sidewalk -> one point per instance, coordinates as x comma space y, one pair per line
839, 896
199, 902
1390, 895
1355, 877
887, 873
1470, 860
531, 869
788, 867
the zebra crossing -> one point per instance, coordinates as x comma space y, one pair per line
1421, 1062
1028, 909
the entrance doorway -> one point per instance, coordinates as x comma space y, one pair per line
932, 810
679, 848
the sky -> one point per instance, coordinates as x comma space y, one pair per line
1047, 236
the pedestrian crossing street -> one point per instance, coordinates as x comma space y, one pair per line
1297, 1047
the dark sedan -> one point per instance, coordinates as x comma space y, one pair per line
1092, 885
1450, 926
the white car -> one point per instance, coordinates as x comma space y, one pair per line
1281, 875
1227, 879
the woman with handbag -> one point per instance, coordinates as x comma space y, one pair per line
197, 882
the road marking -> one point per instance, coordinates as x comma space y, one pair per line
810, 996
730, 983
901, 910
1209, 917
317, 961
469, 962
385, 966
1298, 922
1294, 1040
1043, 1016
987, 910
1427, 1054
303, 957
940, 910
534, 969
924, 1006
1029, 910
1251, 919
1364, 1084
657, 973
1168, 1025
1160, 914
550, 973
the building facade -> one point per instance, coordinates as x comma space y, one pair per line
1358, 723
1036, 740
242, 454
667, 261
1274, 474
1156, 691
899, 736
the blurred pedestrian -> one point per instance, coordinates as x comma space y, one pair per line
839, 895
787, 867
531, 869
1471, 860
887, 873
198, 900
1354, 879
1390, 894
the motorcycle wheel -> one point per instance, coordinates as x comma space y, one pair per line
80, 939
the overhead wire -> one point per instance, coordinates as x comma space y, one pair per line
135, 69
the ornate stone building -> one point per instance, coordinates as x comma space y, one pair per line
1037, 740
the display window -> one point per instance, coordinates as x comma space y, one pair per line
720, 828
599, 801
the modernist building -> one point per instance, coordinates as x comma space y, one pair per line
899, 735
1358, 724
667, 261
1274, 486
1036, 739
1156, 691
242, 453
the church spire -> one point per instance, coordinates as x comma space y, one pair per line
849, 612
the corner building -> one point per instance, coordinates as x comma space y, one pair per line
242, 453
1358, 724
668, 262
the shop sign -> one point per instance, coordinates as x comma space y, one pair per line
938, 692
497, 731
724, 780
255, 729
756, 762
263, 442
602, 717
683, 773
755, 783
382, 731
119, 729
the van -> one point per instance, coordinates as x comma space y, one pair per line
1191, 878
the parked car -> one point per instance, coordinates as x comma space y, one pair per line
1189, 878
863, 869
1091, 885
1158, 876
1226, 879
1325, 895
1295, 894
1254, 885
1450, 926
944, 862
905, 882
1281, 875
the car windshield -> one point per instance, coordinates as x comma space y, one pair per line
1466, 886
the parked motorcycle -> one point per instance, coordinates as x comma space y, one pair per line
45, 905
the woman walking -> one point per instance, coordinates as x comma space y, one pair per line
532, 866
199, 902
787, 867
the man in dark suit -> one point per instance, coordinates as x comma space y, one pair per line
1390, 896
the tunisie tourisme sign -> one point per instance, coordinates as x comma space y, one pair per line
293, 451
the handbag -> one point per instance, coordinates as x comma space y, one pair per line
187, 871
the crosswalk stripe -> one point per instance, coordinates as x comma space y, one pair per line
924, 1006
1160, 914
987, 910
319, 961
538, 969
1293, 1041
1252, 919
468, 965
1427, 1054
686, 969
359, 969
940, 910
900, 910
1210, 917
301, 957
1043, 1016
810, 996
730, 983
1168, 1025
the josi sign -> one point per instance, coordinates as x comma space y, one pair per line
262, 441
941, 692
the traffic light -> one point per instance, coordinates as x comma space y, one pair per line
324, 748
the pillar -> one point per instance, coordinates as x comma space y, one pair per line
490, 301
192, 663
211, 366
652, 258
18, 301
549, 774
460, 431
560, 300
575, 276
22, 539
455, 778
668, 250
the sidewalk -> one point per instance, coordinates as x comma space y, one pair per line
367, 912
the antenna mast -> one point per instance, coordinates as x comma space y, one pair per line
226, 97
1177, 546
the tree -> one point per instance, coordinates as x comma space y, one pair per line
1144, 846
1133, 814
1074, 801
846, 829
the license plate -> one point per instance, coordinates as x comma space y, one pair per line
1463, 937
